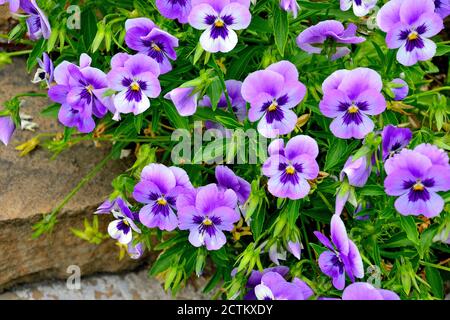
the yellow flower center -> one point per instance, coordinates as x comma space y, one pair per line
290, 170
207, 221
162, 201
273, 106
353, 109
135, 86
156, 47
90, 89
219, 23
413, 36
418, 186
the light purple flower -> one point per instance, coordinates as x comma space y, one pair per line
37, 22
7, 129
184, 99
357, 171
158, 189
135, 251
360, 7
330, 29
290, 6
145, 37
276, 253
121, 228
350, 96
219, 19
238, 104
45, 70
394, 140
274, 287
227, 179
14, 5
442, 8
409, 24
342, 256
366, 291
272, 93
175, 9
212, 212
136, 80
401, 92
295, 248
415, 176
79, 90
289, 168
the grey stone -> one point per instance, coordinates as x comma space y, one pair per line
127, 286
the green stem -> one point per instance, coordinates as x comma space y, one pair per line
31, 94
18, 53
83, 181
329, 206
437, 266
222, 83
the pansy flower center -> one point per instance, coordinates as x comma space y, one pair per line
89, 89
219, 23
418, 186
207, 221
290, 170
413, 36
135, 86
161, 201
155, 47
273, 106
353, 109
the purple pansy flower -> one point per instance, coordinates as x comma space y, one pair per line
14, 5
401, 92
227, 179
272, 93
184, 99
342, 256
330, 29
290, 6
135, 251
289, 168
7, 128
394, 140
45, 70
238, 104
360, 7
366, 291
121, 228
158, 189
37, 22
212, 212
79, 90
175, 9
219, 19
274, 287
442, 8
409, 24
350, 96
136, 80
146, 38
357, 171
415, 176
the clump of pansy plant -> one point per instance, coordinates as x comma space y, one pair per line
342, 136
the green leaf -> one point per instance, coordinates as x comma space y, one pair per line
318, 249
280, 28
334, 155
214, 92
435, 280
174, 117
51, 111
409, 226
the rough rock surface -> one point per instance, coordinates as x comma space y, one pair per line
129, 286
33, 185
